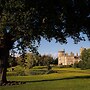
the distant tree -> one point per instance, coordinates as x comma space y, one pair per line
21, 61
46, 60
76, 64
55, 61
85, 59
30, 60
24, 22
12, 61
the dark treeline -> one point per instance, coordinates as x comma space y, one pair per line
30, 60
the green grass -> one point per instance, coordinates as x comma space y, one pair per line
64, 79
53, 76
71, 84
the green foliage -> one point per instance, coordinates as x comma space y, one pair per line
46, 61
12, 61
40, 67
51, 71
30, 60
55, 61
20, 61
12, 73
17, 71
37, 72
25, 23
85, 59
77, 64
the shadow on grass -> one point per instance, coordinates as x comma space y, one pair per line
25, 82
74, 77
68, 78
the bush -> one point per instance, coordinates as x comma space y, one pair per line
37, 72
21, 73
51, 71
85, 57
49, 67
18, 70
40, 67
82, 65
65, 66
11, 73
76, 65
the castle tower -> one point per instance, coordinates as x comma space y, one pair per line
66, 59
61, 53
61, 57
71, 54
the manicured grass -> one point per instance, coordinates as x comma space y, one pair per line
71, 84
64, 79
53, 76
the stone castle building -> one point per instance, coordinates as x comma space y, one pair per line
68, 59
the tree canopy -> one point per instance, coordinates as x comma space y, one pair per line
26, 21
85, 59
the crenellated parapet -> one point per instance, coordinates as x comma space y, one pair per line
67, 59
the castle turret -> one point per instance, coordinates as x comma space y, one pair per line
61, 53
71, 54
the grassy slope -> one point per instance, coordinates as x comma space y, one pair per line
71, 84
62, 73
54, 81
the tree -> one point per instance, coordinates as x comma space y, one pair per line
21, 61
43, 60
55, 61
12, 61
24, 22
30, 60
85, 59
48, 60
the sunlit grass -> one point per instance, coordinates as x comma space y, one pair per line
71, 84
63, 79
46, 76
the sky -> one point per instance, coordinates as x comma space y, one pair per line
52, 48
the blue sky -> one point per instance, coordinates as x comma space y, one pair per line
53, 48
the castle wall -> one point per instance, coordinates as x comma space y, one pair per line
65, 59
62, 60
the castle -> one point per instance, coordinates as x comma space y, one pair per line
68, 59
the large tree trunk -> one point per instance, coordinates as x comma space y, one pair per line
5, 45
4, 59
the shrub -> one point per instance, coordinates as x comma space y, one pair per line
21, 73
65, 66
82, 65
11, 73
51, 71
40, 67
37, 72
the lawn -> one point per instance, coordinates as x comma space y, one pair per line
64, 79
71, 84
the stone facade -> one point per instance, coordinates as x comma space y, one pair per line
68, 59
